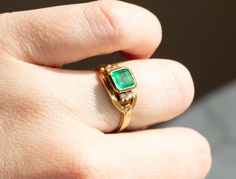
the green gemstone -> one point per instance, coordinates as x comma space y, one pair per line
123, 79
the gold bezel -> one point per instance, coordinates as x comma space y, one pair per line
113, 83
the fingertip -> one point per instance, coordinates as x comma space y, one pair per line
184, 82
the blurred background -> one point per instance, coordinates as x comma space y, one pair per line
201, 35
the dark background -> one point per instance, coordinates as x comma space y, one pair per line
200, 34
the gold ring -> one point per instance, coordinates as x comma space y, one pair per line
120, 85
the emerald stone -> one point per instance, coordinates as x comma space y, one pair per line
123, 79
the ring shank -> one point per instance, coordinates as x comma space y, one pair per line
125, 119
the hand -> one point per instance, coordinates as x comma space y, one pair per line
53, 121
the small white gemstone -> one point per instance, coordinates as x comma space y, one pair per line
129, 95
123, 97
108, 68
126, 96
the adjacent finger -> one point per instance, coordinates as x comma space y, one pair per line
164, 153
165, 90
64, 34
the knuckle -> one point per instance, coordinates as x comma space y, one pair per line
104, 22
122, 17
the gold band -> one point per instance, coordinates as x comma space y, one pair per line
120, 85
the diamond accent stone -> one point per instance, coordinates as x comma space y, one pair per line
125, 97
129, 95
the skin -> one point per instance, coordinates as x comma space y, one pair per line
54, 122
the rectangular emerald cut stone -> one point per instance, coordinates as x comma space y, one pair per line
123, 79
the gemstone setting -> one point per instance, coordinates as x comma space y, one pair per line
126, 97
122, 79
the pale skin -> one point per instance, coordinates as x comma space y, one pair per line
55, 123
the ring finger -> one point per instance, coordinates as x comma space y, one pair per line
165, 90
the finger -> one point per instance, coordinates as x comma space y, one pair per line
164, 153
165, 90
64, 34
